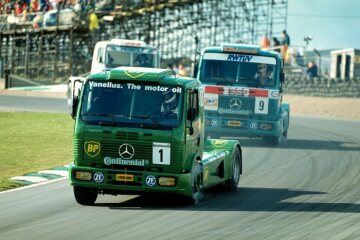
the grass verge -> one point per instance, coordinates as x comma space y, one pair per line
31, 142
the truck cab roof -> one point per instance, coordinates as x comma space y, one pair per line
124, 42
242, 48
156, 75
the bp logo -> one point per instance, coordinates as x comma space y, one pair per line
219, 143
92, 149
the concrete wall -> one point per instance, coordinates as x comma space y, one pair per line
322, 87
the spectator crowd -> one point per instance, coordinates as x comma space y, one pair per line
19, 7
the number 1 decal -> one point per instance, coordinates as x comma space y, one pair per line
161, 153
261, 105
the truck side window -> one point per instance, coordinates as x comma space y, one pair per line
100, 57
194, 101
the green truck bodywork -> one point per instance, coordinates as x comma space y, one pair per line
124, 143
238, 99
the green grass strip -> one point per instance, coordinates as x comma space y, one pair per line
31, 142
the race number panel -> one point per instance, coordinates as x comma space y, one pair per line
261, 105
161, 153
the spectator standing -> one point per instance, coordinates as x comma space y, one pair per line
18, 8
34, 6
93, 27
182, 70
312, 70
285, 42
93, 22
276, 44
265, 42
44, 5
9, 6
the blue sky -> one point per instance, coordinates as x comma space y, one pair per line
331, 23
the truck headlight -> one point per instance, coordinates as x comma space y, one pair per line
82, 175
167, 181
266, 126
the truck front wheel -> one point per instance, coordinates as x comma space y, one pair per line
196, 184
85, 196
232, 183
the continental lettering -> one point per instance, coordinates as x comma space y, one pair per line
239, 58
232, 111
127, 162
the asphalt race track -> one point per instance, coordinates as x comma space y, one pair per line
308, 188
33, 104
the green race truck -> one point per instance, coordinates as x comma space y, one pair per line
243, 93
140, 130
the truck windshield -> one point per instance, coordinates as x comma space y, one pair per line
237, 69
137, 105
118, 56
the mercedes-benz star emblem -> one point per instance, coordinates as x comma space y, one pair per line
235, 103
126, 151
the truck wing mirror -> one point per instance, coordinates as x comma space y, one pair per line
74, 106
75, 96
282, 77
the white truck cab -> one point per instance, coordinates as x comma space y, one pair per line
122, 52
116, 53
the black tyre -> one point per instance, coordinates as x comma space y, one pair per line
232, 183
272, 141
196, 186
85, 196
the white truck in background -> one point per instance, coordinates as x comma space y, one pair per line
116, 53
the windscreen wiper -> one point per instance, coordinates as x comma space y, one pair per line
153, 119
112, 122
227, 81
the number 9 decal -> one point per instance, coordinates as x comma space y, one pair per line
261, 105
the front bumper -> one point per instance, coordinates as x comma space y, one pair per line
221, 127
105, 180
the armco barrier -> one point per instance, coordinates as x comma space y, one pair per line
323, 87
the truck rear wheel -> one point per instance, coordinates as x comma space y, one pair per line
85, 196
232, 183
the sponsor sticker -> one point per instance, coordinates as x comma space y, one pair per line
274, 94
254, 125
219, 142
150, 181
234, 123
92, 149
98, 177
215, 123
128, 162
211, 102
